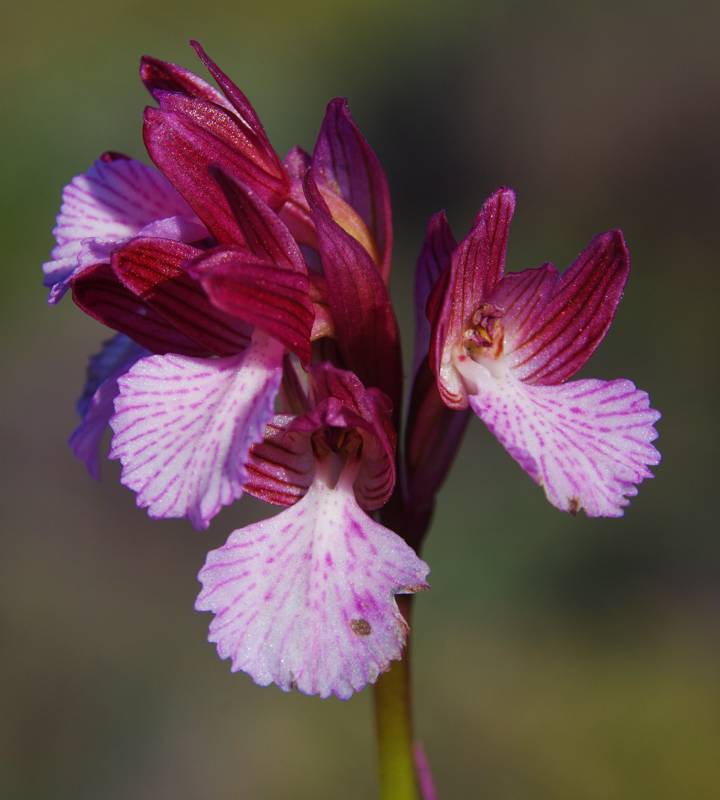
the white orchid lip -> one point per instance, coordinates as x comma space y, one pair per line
305, 599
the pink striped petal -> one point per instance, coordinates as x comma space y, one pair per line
95, 406
183, 427
476, 266
586, 442
305, 599
112, 201
553, 323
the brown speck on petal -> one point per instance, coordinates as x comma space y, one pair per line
361, 627
574, 506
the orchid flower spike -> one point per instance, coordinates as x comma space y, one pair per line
305, 599
505, 345
256, 350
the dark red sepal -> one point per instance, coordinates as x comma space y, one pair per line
155, 271
164, 76
99, 293
246, 113
555, 327
365, 324
431, 278
265, 235
344, 162
432, 438
259, 293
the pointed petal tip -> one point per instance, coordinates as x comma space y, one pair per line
501, 201
438, 218
199, 49
339, 104
503, 194
612, 243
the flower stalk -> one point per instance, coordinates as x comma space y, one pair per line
394, 728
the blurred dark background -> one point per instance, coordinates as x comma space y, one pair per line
555, 657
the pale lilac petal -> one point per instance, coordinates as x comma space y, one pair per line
305, 599
586, 442
183, 427
111, 202
115, 199
57, 274
95, 405
179, 228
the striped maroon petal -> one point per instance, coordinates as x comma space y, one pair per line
183, 428
296, 211
554, 323
281, 467
98, 292
365, 324
305, 599
476, 266
188, 135
245, 113
154, 270
164, 76
344, 163
259, 293
587, 442
265, 235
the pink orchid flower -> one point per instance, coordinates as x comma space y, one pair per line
305, 599
257, 351
505, 345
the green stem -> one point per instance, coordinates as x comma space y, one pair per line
393, 721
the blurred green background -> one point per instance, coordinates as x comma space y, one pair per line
555, 657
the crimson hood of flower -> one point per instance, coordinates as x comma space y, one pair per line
506, 345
